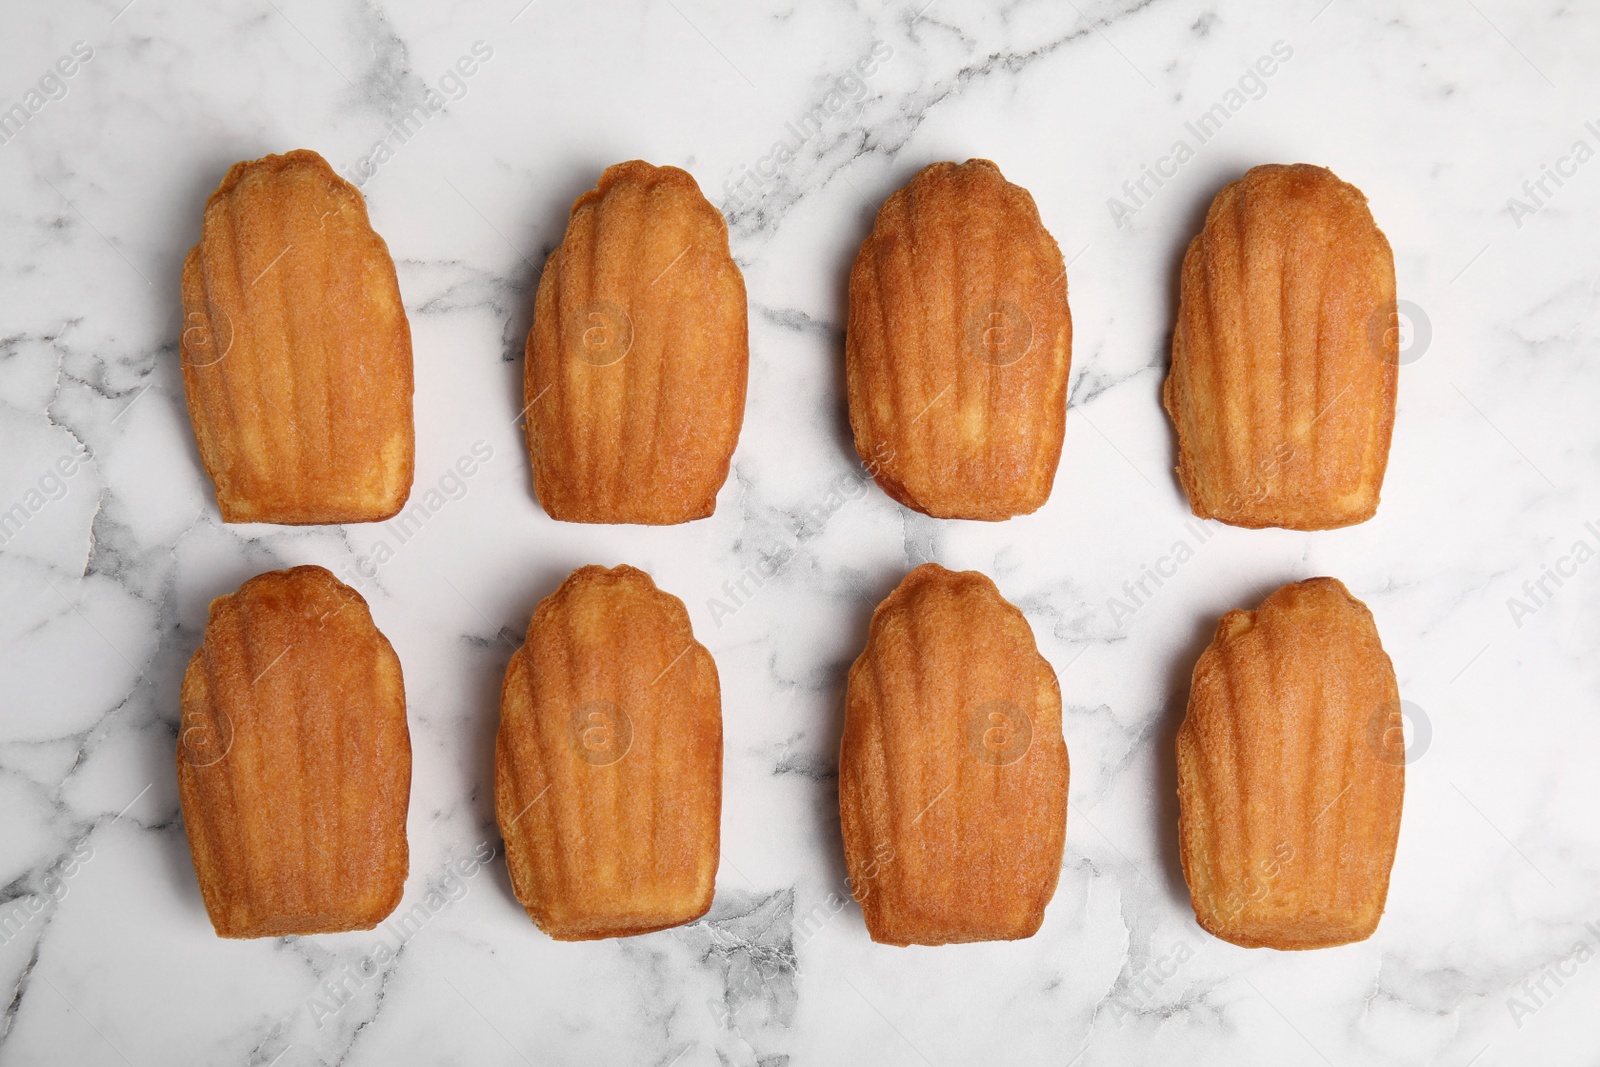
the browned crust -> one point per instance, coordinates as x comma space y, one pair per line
959, 345
608, 762
1284, 366
1289, 794
294, 760
638, 359
295, 350
953, 819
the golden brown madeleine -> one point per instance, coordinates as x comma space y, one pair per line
295, 349
958, 346
1290, 803
1284, 363
638, 355
294, 761
608, 766
952, 771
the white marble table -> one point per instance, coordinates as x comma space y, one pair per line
1448, 115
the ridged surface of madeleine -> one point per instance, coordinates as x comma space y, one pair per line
296, 352
1290, 794
638, 356
608, 765
1285, 356
958, 346
294, 760
952, 770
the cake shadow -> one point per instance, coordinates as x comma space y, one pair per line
489, 680
1194, 220
1167, 809
539, 235
825, 809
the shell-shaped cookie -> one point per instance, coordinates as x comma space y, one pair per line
952, 770
638, 356
958, 346
295, 349
1290, 796
1284, 358
608, 765
294, 761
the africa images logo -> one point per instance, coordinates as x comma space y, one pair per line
999, 732
601, 732
1539, 591
51, 87
748, 183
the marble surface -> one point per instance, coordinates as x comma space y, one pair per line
1452, 115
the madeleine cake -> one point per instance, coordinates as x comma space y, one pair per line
1289, 796
295, 350
638, 356
952, 770
958, 346
1286, 353
608, 765
294, 761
